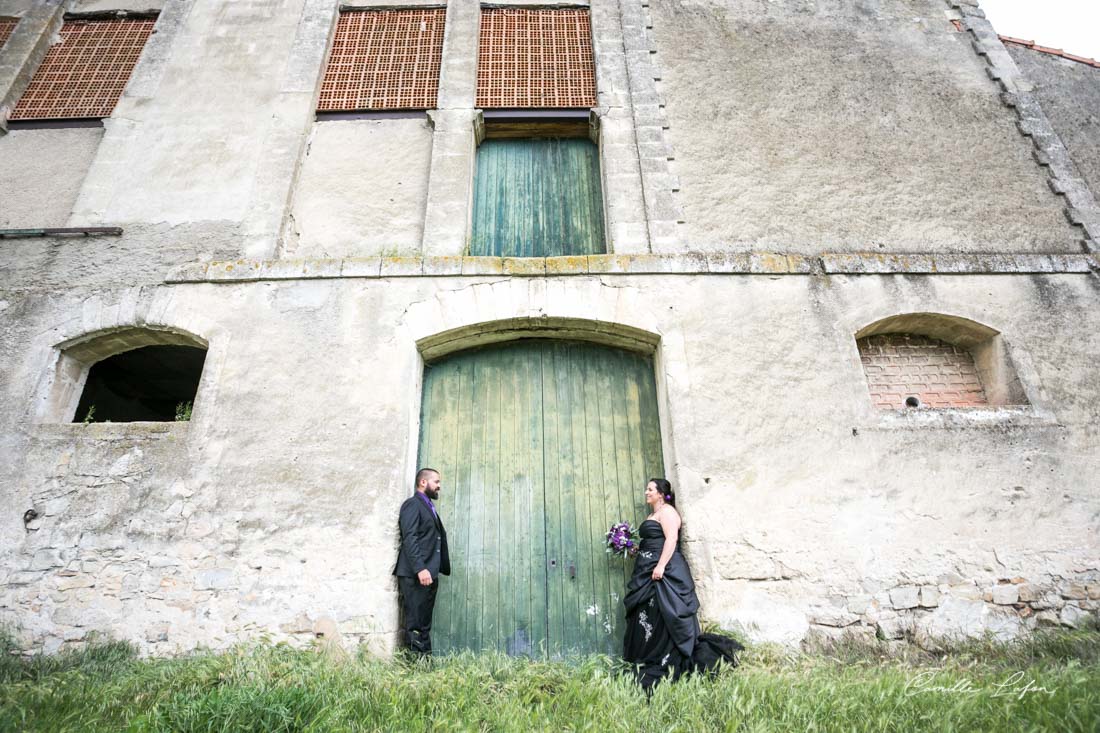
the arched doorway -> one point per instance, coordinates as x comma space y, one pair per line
543, 445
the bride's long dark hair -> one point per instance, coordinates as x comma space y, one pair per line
666, 490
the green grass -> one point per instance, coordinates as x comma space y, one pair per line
853, 687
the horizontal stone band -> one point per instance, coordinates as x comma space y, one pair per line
748, 263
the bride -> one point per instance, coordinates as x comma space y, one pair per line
663, 639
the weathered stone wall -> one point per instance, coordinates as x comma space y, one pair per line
868, 126
272, 510
1070, 94
790, 175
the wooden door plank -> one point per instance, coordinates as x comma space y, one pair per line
536, 515
555, 531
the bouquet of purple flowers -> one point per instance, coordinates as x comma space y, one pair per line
622, 540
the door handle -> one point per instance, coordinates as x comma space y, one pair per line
572, 570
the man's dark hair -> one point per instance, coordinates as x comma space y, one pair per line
422, 473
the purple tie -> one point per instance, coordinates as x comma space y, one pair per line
430, 504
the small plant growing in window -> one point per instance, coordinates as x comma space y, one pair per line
90, 416
183, 411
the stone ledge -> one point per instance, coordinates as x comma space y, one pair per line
137, 430
686, 263
949, 264
993, 417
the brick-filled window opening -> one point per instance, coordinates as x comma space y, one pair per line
84, 74
384, 60
909, 370
7, 25
535, 58
151, 383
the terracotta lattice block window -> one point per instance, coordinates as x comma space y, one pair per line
535, 58
84, 74
384, 59
7, 25
907, 370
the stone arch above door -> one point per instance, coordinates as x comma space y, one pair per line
575, 309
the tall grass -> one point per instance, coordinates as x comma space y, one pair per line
970, 687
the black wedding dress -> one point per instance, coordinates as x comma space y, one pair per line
662, 630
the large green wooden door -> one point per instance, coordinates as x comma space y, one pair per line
537, 197
542, 446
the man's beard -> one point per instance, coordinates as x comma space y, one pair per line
432, 494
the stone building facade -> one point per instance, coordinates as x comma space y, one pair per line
857, 241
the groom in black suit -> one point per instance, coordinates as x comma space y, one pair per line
421, 559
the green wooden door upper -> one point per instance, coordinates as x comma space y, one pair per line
537, 197
542, 446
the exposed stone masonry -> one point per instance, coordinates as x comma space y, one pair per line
932, 610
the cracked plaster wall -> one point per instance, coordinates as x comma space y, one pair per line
363, 188
272, 511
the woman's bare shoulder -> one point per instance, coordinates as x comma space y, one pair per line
668, 512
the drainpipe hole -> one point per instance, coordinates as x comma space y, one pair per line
912, 401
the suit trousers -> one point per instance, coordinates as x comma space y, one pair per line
417, 602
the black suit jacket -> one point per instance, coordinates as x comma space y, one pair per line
423, 541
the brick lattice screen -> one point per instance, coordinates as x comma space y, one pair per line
535, 58
84, 74
384, 59
7, 25
939, 374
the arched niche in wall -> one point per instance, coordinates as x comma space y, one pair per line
127, 375
937, 360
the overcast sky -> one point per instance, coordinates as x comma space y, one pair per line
1071, 25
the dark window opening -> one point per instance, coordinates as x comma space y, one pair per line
153, 383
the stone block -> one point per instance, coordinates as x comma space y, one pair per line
768, 263
859, 604
965, 591
728, 262
523, 266
1028, 592
893, 628
1072, 616
214, 579
573, 265
929, 596
234, 270
443, 265
906, 596
76, 581
1093, 591
401, 267
1047, 618
836, 617
361, 267
956, 618
1048, 600
482, 266
1006, 595
321, 268
47, 559
1074, 591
